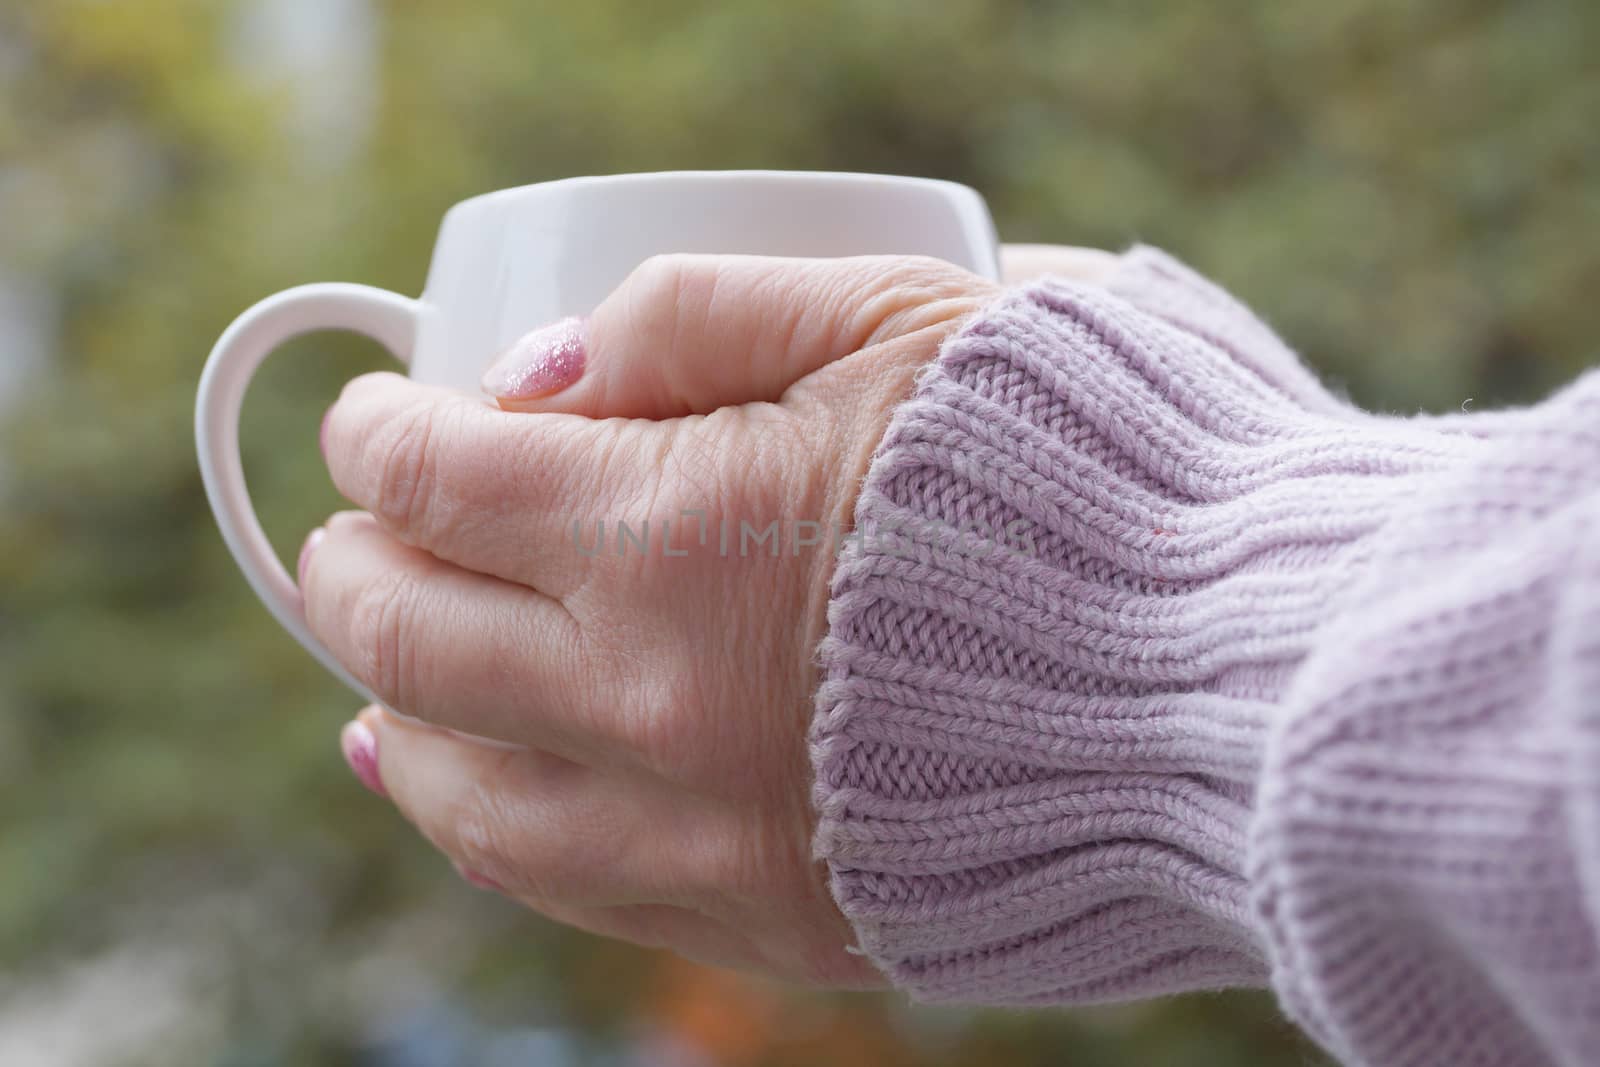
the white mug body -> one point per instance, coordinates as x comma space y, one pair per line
509, 262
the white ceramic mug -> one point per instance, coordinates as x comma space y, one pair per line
510, 261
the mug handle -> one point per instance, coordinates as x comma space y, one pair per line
388, 318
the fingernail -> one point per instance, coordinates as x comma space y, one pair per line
473, 878
545, 361
360, 747
313, 539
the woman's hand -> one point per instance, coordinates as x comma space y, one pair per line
637, 702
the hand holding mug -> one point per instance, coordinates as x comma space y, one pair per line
647, 775
657, 691
594, 594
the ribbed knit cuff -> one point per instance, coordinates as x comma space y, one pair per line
1095, 545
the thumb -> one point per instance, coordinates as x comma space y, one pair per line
687, 334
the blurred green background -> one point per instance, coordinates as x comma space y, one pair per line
188, 875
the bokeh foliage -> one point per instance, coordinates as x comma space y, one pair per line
1409, 191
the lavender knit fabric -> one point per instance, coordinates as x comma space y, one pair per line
1178, 672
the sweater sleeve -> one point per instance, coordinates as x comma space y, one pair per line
1153, 666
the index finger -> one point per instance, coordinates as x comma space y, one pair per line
488, 490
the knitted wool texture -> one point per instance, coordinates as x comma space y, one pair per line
1158, 668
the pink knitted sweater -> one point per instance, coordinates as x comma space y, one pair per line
1178, 672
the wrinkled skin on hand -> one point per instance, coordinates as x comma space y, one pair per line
617, 738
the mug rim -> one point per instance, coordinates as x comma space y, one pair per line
756, 175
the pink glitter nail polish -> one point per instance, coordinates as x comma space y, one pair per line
545, 361
360, 748
478, 881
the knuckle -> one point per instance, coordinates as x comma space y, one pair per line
661, 278
661, 727
488, 840
724, 860
905, 294
927, 274
403, 463
533, 849
655, 290
382, 633
700, 475
669, 293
